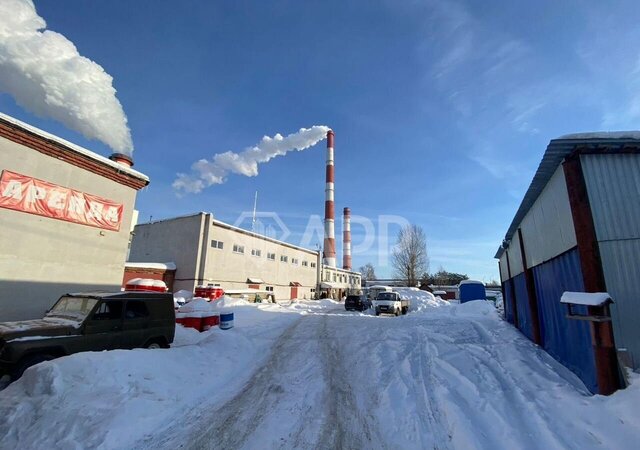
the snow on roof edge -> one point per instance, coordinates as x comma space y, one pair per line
151, 265
631, 134
586, 298
470, 282
71, 146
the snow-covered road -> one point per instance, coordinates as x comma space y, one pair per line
310, 375
346, 380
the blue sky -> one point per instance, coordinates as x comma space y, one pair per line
442, 109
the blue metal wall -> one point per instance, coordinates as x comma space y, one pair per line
568, 341
522, 302
508, 298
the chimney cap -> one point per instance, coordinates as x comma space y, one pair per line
347, 210
330, 137
122, 159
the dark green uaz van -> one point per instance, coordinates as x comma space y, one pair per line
88, 322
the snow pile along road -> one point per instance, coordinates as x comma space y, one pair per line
111, 399
421, 301
311, 375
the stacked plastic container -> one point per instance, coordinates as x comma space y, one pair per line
198, 314
209, 292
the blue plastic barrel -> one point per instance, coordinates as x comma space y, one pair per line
226, 321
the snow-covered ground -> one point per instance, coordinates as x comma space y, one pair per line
308, 374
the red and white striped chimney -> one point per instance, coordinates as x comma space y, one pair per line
329, 254
346, 240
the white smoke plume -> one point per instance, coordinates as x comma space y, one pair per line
206, 173
44, 73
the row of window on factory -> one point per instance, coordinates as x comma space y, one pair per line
340, 278
239, 249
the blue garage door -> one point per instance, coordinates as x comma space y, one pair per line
522, 302
508, 298
568, 341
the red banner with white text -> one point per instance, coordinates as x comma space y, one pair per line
30, 195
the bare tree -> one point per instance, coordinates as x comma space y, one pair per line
368, 272
410, 259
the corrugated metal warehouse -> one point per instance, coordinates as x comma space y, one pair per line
578, 229
65, 219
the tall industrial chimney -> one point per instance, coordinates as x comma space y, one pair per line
346, 240
329, 209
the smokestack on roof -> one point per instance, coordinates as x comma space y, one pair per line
346, 240
122, 159
329, 253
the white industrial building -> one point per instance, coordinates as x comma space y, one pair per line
65, 219
208, 251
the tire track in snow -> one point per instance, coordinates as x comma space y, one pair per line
253, 413
302, 397
420, 381
348, 427
541, 424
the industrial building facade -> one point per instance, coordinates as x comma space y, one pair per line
578, 230
65, 216
208, 251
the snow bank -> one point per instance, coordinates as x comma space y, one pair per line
181, 297
112, 399
312, 306
476, 308
226, 302
197, 305
421, 301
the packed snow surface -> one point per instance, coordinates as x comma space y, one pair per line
308, 374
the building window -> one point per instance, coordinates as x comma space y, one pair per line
271, 256
256, 252
334, 278
238, 248
313, 291
217, 244
305, 264
327, 276
313, 264
269, 288
295, 261
284, 258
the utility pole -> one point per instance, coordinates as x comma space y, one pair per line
255, 205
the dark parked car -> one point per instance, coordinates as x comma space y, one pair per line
88, 322
357, 303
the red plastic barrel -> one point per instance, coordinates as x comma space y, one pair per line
209, 292
189, 322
